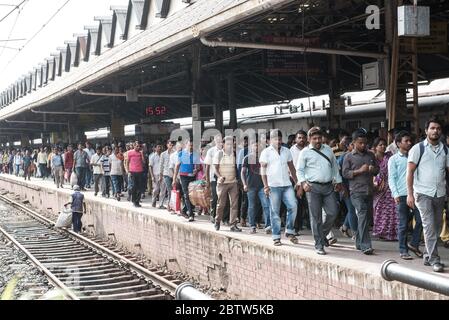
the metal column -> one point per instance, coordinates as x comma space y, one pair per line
231, 102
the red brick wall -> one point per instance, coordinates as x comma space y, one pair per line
246, 270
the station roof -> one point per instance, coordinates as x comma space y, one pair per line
157, 58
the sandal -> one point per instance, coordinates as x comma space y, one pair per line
277, 242
446, 244
415, 250
292, 238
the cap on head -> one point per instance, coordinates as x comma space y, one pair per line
76, 188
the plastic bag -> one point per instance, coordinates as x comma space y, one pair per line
73, 179
175, 200
64, 219
199, 194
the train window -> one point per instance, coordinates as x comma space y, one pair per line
353, 125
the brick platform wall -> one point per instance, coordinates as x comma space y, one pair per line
246, 270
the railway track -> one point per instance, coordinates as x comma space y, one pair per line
81, 268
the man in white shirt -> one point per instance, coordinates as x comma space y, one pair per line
166, 175
155, 171
277, 167
97, 165
300, 144
210, 173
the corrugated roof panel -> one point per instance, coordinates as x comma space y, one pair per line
51, 69
81, 47
138, 6
162, 8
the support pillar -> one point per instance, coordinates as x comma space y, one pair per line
195, 77
334, 118
24, 141
218, 106
232, 102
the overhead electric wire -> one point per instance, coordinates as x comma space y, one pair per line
9, 13
35, 35
13, 26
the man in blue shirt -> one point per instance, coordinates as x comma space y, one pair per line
397, 170
319, 176
428, 163
188, 165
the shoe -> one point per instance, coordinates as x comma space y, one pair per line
143, 196
191, 219
129, 198
243, 223
438, 267
331, 241
217, 227
212, 219
292, 238
415, 250
253, 230
153, 205
137, 205
406, 256
162, 207
234, 228
321, 252
268, 230
95, 194
277, 242
345, 231
368, 251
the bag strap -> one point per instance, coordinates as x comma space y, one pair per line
323, 155
421, 153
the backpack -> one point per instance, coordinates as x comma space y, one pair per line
421, 153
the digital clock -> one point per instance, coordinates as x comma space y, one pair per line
156, 111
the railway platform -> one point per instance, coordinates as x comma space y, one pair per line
245, 266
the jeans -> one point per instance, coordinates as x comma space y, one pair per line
168, 181
117, 184
156, 190
76, 220
43, 170
106, 185
17, 169
322, 197
81, 174
88, 176
431, 210
243, 201
136, 181
98, 178
185, 181
361, 203
253, 194
405, 215
351, 218
287, 196
214, 199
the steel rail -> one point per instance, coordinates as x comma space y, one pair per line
157, 280
53, 279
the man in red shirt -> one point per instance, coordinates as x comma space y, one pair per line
134, 167
68, 163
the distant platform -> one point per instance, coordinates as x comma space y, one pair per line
245, 266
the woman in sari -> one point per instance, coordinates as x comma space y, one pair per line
385, 218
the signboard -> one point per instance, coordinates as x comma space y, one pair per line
435, 43
288, 63
156, 129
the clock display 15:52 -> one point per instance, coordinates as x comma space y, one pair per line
156, 111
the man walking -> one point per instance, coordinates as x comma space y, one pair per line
227, 187
359, 167
166, 175
80, 165
253, 186
397, 181
210, 174
427, 168
277, 166
97, 168
134, 166
78, 208
319, 177
154, 171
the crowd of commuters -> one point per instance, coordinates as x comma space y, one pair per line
355, 182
